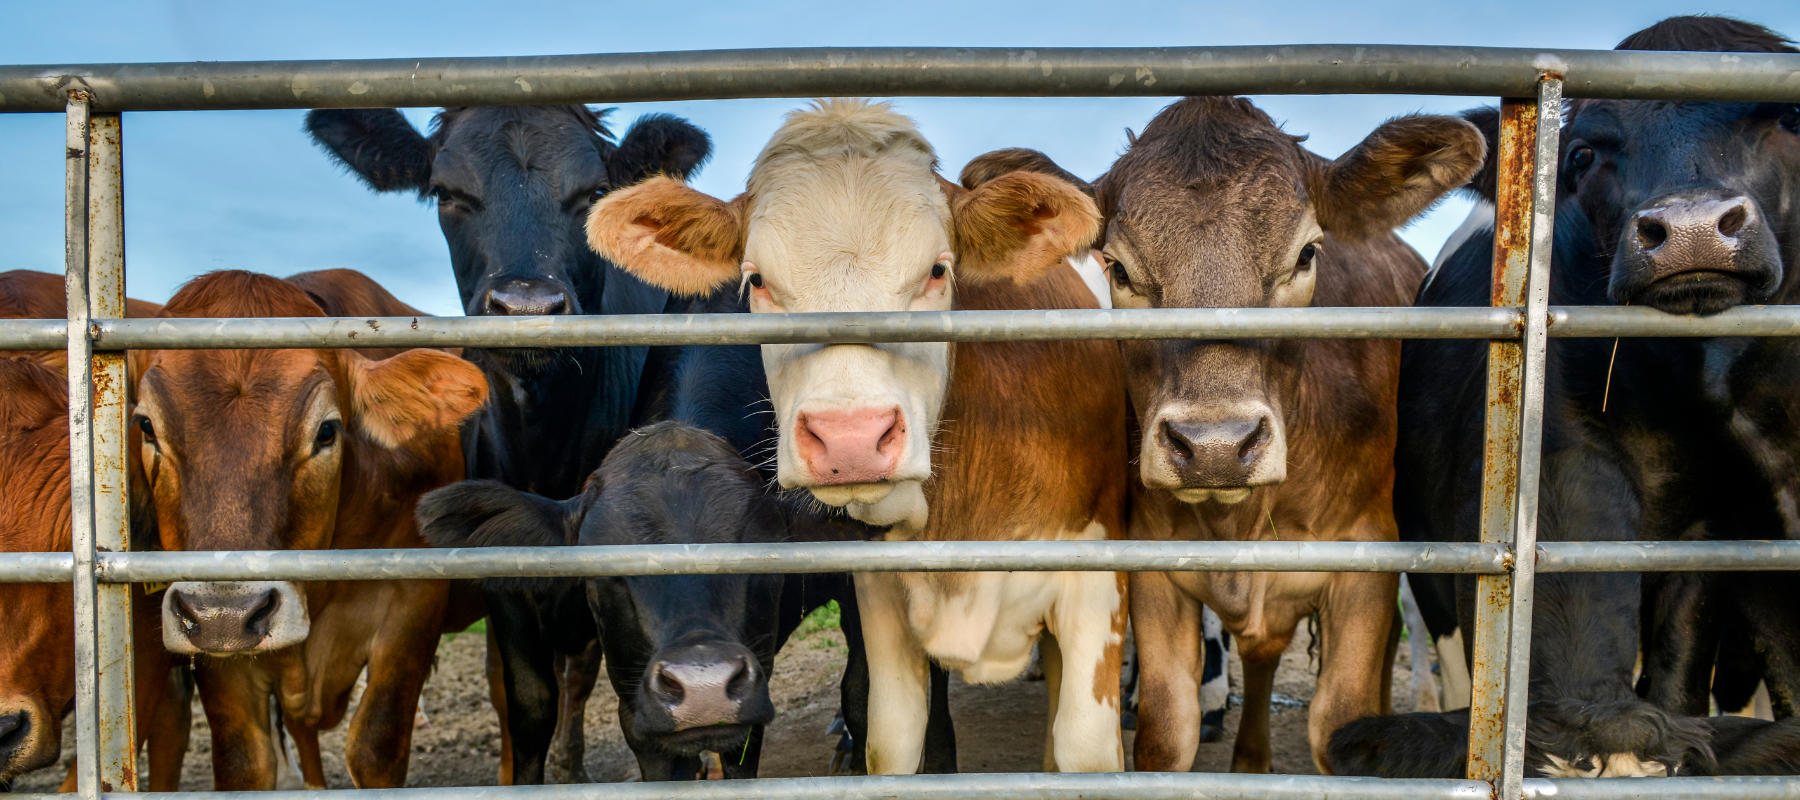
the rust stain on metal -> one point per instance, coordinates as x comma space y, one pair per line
1515, 162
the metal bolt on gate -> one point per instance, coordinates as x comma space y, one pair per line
1532, 84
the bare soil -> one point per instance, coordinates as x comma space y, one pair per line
999, 728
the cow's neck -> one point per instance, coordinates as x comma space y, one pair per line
546, 428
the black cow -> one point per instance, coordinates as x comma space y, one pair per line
1683, 207
689, 656
513, 186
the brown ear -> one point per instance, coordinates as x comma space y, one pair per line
412, 395
1395, 174
1019, 226
993, 164
670, 235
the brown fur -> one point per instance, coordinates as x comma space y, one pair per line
25, 294
670, 235
998, 227
994, 164
1207, 202
37, 666
225, 417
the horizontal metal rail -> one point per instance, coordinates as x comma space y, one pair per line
1040, 786
928, 71
815, 557
959, 326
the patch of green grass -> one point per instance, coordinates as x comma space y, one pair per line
477, 629
824, 618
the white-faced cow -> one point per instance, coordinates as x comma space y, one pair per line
300, 450
1014, 442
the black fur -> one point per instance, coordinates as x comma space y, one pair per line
1661, 462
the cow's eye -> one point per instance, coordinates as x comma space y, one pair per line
146, 428
1116, 272
1307, 254
1581, 158
327, 435
756, 280
1790, 121
938, 270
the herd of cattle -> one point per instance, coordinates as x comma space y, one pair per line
1690, 208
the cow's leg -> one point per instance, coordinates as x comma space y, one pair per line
306, 746
237, 710
529, 678
1251, 752
168, 729
1681, 642
1050, 661
1355, 622
899, 693
380, 739
1089, 621
1166, 622
496, 679
579, 674
853, 689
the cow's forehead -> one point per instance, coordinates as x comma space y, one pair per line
206, 385
871, 216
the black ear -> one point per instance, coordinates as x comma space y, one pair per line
377, 144
991, 165
658, 144
1487, 120
492, 514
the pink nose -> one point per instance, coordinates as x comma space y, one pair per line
856, 446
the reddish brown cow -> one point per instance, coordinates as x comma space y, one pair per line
25, 294
300, 450
37, 620
1292, 440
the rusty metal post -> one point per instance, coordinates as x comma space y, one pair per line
81, 446
116, 704
1524, 207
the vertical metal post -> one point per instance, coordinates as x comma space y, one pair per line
116, 706
1524, 211
81, 445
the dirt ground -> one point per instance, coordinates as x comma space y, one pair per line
999, 728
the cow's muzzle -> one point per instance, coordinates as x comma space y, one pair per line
1220, 458
1696, 252
233, 617
708, 687
26, 742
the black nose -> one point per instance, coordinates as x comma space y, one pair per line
1215, 454
226, 626
525, 299
14, 728
705, 684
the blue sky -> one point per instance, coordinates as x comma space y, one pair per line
245, 189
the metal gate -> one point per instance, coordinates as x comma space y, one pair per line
1531, 83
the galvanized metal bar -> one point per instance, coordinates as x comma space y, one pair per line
928, 71
475, 562
112, 517
1531, 431
81, 445
37, 567
1569, 322
654, 329
1737, 556
1500, 465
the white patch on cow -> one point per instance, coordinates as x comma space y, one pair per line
1611, 765
1214, 693
1093, 275
287, 626
985, 632
1481, 217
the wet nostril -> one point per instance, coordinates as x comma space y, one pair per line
1651, 233
1251, 447
189, 618
669, 686
1177, 445
741, 680
1733, 220
257, 622
10, 724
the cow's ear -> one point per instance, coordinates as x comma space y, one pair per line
658, 144
991, 165
1487, 120
416, 394
1019, 226
670, 235
1395, 174
492, 514
378, 145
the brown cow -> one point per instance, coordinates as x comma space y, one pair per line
25, 294
993, 442
1291, 440
37, 620
300, 450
